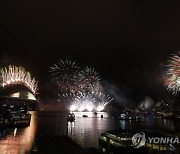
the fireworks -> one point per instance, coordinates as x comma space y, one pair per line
90, 103
82, 102
64, 75
70, 78
101, 107
17, 75
103, 101
79, 88
173, 73
90, 80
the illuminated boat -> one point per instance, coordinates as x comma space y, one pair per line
120, 141
126, 117
71, 117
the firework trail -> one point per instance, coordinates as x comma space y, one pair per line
103, 101
78, 88
86, 102
101, 97
17, 75
173, 74
78, 102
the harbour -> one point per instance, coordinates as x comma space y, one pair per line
85, 132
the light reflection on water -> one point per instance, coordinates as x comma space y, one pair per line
85, 130
18, 140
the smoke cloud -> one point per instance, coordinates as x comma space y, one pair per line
119, 96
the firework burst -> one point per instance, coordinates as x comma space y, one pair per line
64, 75
173, 73
90, 80
103, 101
87, 102
78, 88
17, 75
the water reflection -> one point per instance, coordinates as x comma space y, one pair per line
86, 130
18, 140
170, 124
71, 128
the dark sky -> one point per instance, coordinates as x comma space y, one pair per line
128, 42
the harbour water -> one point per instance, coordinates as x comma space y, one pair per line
85, 130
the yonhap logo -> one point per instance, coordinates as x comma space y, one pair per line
139, 140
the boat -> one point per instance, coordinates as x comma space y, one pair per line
120, 141
85, 116
71, 117
126, 117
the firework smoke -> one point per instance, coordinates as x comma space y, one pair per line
119, 95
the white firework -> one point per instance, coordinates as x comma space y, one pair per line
104, 100
17, 75
173, 74
101, 106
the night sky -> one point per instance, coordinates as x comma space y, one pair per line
127, 42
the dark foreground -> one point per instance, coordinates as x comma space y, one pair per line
59, 144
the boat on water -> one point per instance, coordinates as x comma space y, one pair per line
120, 141
71, 117
85, 116
126, 117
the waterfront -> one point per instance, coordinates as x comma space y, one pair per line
84, 131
